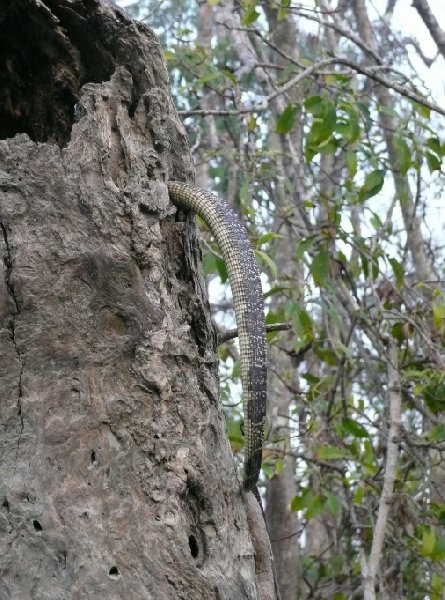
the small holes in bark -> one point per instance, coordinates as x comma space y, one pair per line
93, 457
37, 525
114, 572
193, 545
145, 210
5, 505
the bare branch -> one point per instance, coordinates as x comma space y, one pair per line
343, 29
368, 71
392, 447
431, 23
225, 336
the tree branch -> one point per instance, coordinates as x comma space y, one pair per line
225, 336
368, 71
392, 446
431, 23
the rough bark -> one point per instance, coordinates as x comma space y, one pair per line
116, 477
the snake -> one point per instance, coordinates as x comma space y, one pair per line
244, 278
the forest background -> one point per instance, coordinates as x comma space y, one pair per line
322, 124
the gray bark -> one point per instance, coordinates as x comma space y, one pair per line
282, 523
116, 479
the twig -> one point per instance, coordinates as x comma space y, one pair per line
368, 71
225, 336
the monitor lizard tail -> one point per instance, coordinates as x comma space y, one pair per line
245, 282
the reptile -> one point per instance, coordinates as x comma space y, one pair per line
245, 282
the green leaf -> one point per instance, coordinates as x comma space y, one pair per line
368, 458
366, 115
327, 147
304, 245
373, 184
433, 162
434, 396
233, 428
434, 144
375, 221
354, 428
398, 271
439, 549
244, 192
355, 130
286, 119
436, 587
375, 267
326, 355
359, 495
266, 237
251, 14
309, 154
333, 503
351, 163
428, 542
302, 323
438, 316
320, 268
327, 125
313, 103
213, 264
209, 77
398, 332
365, 265
169, 55
329, 452
276, 316
277, 289
234, 80
284, 5
299, 502
348, 124
421, 109
319, 137
323, 125
279, 465
437, 434
267, 261
222, 270
236, 370
209, 264
315, 507
404, 154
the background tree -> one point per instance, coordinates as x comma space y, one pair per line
315, 121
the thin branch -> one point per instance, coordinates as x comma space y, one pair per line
368, 71
431, 23
341, 28
225, 336
392, 448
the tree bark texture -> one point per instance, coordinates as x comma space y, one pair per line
116, 477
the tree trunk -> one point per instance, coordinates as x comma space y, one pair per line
282, 523
116, 477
